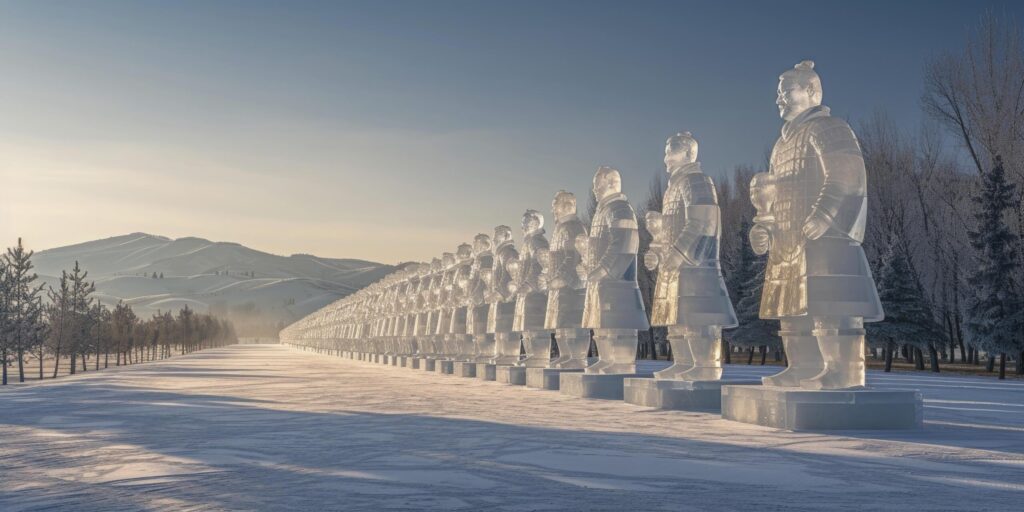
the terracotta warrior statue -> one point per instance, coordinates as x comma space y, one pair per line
566, 291
476, 298
690, 297
529, 284
613, 307
503, 305
811, 213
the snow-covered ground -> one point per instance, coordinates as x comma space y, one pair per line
264, 427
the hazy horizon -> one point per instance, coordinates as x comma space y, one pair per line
394, 131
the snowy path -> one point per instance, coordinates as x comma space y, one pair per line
261, 427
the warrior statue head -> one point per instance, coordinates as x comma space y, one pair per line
502, 234
563, 205
607, 181
447, 260
481, 243
464, 252
532, 221
680, 150
799, 90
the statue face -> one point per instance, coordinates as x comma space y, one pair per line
678, 154
564, 204
502, 235
465, 251
531, 223
481, 244
794, 98
606, 183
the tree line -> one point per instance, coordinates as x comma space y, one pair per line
65, 323
945, 233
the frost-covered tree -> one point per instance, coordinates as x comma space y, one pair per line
908, 318
24, 312
995, 311
79, 314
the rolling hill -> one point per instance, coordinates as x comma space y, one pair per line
258, 290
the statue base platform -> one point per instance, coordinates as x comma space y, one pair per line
427, 364
464, 369
486, 371
445, 366
514, 375
681, 395
596, 385
396, 360
801, 409
546, 378
412, 362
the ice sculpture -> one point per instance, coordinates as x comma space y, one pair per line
613, 306
690, 296
529, 284
502, 303
566, 291
476, 298
462, 342
429, 305
811, 213
445, 306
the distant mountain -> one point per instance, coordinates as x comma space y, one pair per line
257, 289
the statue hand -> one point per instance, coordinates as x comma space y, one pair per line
651, 260
760, 239
815, 226
597, 275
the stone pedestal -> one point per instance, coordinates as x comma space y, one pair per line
684, 395
444, 366
427, 364
798, 409
546, 378
593, 385
412, 362
486, 371
464, 369
514, 375
402, 360
395, 360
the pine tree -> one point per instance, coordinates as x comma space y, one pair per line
5, 295
908, 317
745, 284
59, 316
25, 324
995, 311
79, 316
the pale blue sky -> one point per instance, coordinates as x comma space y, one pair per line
396, 130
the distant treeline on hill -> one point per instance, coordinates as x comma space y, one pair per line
64, 326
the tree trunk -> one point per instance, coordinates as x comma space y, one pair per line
918, 359
21, 365
934, 356
990, 364
888, 358
3, 362
727, 350
1020, 363
56, 362
750, 358
1002, 365
42, 354
74, 361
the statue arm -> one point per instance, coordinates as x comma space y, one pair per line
624, 241
845, 175
698, 239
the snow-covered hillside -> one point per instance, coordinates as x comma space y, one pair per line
224, 277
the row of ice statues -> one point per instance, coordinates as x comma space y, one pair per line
479, 303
